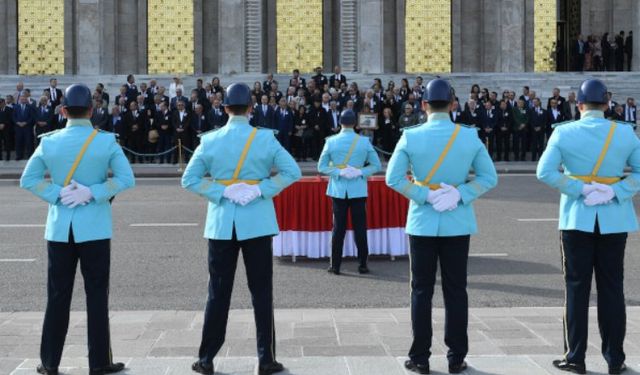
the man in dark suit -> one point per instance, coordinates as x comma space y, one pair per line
136, 124
6, 130
488, 123
570, 108
55, 94
337, 77
578, 51
181, 121
297, 80
100, 115
320, 124
619, 53
630, 111
59, 121
611, 106
263, 114
202, 93
556, 116
333, 115
274, 91
628, 49
557, 97
195, 101
320, 79
471, 115
504, 126
115, 124
283, 123
455, 114
44, 116
179, 98
24, 119
266, 85
217, 116
539, 122
199, 125
162, 124
122, 95
132, 89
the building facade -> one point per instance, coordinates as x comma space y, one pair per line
244, 36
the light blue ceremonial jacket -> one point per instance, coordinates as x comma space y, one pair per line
363, 157
56, 154
218, 155
576, 147
417, 151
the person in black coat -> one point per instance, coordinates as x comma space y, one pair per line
55, 94
181, 123
504, 126
6, 130
628, 49
319, 122
100, 115
24, 119
132, 90
539, 122
162, 123
136, 123
488, 123
337, 79
320, 79
44, 117
283, 122
217, 117
199, 125
471, 115
619, 53
263, 114
556, 116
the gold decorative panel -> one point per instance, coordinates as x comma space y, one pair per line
544, 35
170, 36
428, 36
40, 37
299, 35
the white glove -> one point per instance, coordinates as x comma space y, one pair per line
76, 195
603, 194
433, 194
249, 194
345, 173
448, 200
355, 172
588, 189
234, 192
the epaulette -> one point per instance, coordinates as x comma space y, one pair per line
332, 135
275, 132
49, 133
562, 123
208, 132
466, 125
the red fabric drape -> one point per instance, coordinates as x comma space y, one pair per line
304, 206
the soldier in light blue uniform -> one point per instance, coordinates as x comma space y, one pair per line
348, 159
441, 219
241, 215
596, 213
79, 228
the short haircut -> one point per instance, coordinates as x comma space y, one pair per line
77, 112
238, 109
439, 105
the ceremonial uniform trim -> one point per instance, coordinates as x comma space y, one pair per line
207, 132
49, 133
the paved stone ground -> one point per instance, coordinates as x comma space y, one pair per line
315, 341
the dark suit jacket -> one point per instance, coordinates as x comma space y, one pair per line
469, 118
318, 117
199, 124
283, 122
567, 111
302, 83
99, 118
24, 115
185, 124
116, 125
560, 100
163, 119
333, 124
458, 116
55, 103
262, 119
551, 120
132, 93
538, 120
136, 132
217, 120
174, 102
332, 80
504, 120
488, 120
6, 134
320, 80
58, 122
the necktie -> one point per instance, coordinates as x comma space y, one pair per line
53, 95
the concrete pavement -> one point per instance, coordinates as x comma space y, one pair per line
518, 341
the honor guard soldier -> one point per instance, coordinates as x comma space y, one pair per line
78, 159
596, 213
439, 155
348, 159
241, 215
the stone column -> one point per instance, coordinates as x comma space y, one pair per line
141, 30
401, 36
108, 32
370, 21
471, 36
8, 37
70, 24
456, 36
127, 37
329, 41
349, 36
197, 37
231, 37
529, 44
210, 50
87, 37
512, 36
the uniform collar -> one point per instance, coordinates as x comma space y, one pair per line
592, 114
238, 120
439, 116
346, 130
78, 122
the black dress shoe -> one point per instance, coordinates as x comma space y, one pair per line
202, 369
618, 370
111, 369
576, 368
46, 371
334, 271
420, 369
457, 368
363, 269
271, 368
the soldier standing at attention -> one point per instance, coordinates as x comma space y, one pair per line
241, 215
596, 213
78, 159
348, 159
440, 154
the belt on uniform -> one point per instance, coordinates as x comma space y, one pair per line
231, 182
598, 179
430, 186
